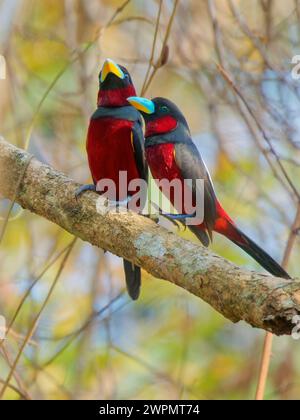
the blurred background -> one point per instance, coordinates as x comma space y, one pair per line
74, 332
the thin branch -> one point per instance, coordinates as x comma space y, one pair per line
267, 348
153, 48
35, 321
16, 390
28, 291
265, 136
161, 61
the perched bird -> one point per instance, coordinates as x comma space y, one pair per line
171, 154
115, 143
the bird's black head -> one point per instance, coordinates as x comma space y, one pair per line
115, 85
160, 114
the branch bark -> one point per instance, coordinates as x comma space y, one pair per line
238, 294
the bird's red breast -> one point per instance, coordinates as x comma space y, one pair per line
110, 150
160, 125
161, 160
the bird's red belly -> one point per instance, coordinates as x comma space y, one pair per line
110, 151
162, 164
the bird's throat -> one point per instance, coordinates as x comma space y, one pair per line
160, 126
115, 97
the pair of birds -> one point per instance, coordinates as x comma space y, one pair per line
115, 142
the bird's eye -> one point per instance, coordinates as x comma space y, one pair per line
126, 76
164, 109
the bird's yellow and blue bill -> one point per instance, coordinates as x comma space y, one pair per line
110, 66
142, 104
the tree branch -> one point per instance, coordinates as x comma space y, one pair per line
261, 300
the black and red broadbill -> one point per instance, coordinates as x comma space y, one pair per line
115, 143
171, 154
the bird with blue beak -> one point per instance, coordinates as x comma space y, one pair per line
171, 154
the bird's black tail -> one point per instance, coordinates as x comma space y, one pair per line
256, 252
133, 279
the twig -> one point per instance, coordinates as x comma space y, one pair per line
36, 319
267, 348
260, 127
160, 62
153, 47
48, 266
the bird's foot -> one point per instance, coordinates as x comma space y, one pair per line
175, 222
155, 217
83, 188
180, 217
178, 220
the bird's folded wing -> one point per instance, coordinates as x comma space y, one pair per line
192, 167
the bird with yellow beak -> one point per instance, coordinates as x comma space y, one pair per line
115, 143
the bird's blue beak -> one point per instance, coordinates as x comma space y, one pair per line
110, 66
142, 104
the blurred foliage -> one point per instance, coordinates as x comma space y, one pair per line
169, 344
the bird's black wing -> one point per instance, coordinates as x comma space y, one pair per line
133, 272
138, 143
192, 167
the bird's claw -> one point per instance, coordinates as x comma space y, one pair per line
180, 217
156, 217
153, 217
172, 220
